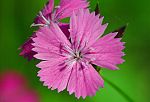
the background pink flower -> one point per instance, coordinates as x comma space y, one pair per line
68, 63
14, 88
55, 14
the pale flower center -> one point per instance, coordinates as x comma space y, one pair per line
77, 55
73, 56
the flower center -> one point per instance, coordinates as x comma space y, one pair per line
72, 55
77, 55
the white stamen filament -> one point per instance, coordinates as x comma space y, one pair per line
69, 50
47, 21
70, 61
36, 25
76, 56
54, 13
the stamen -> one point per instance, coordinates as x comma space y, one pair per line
78, 54
57, 7
36, 25
69, 50
70, 61
41, 14
83, 47
54, 13
40, 24
92, 59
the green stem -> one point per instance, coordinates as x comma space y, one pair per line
120, 91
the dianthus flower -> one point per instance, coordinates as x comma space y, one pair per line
68, 63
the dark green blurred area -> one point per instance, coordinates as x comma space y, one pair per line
16, 16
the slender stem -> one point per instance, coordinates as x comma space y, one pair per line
120, 91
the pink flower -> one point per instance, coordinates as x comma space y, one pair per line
68, 63
50, 14
14, 88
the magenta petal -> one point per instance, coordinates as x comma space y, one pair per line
68, 6
50, 63
48, 8
84, 81
55, 77
54, 72
108, 51
85, 28
65, 29
48, 43
26, 49
50, 35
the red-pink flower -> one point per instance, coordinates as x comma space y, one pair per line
68, 63
13, 88
50, 14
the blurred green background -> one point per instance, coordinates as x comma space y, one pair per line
133, 78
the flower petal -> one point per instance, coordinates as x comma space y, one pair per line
84, 80
56, 76
68, 6
65, 29
49, 7
26, 49
49, 41
85, 28
107, 51
51, 62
